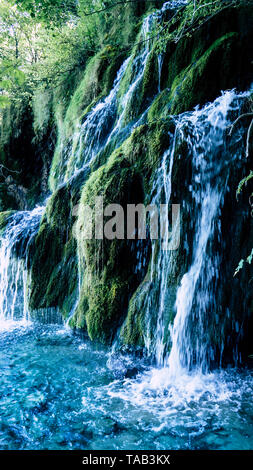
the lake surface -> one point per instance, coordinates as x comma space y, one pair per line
60, 391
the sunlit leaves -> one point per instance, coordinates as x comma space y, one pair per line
49, 11
4, 101
242, 263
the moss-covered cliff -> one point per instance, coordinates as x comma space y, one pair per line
103, 285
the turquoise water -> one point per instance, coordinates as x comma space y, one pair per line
60, 391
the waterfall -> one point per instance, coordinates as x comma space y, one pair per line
186, 344
15, 244
92, 132
160, 64
109, 123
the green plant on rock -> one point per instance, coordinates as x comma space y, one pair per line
242, 183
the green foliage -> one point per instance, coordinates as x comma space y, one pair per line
48, 10
33, 51
193, 84
47, 42
242, 263
243, 182
4, 217
189, 19
4, 101
42, 103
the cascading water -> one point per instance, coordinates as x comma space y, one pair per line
108, 123
181, 396
203, 130
98, 122
18, 235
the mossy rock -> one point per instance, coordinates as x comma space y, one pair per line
109, 267
133, 330
4, 218
160, 108
97, 82
147, 89
125, 178
198, 82
53, 260
216, 56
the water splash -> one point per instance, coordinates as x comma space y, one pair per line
184, 394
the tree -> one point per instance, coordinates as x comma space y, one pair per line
49, 11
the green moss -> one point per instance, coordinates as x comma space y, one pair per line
150, 77
146, 90
4, 218
97, 82
105, 302
42, 110
160, 106
183, 56
53, 264
85, 94
134, 328
108, 267
200, 80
